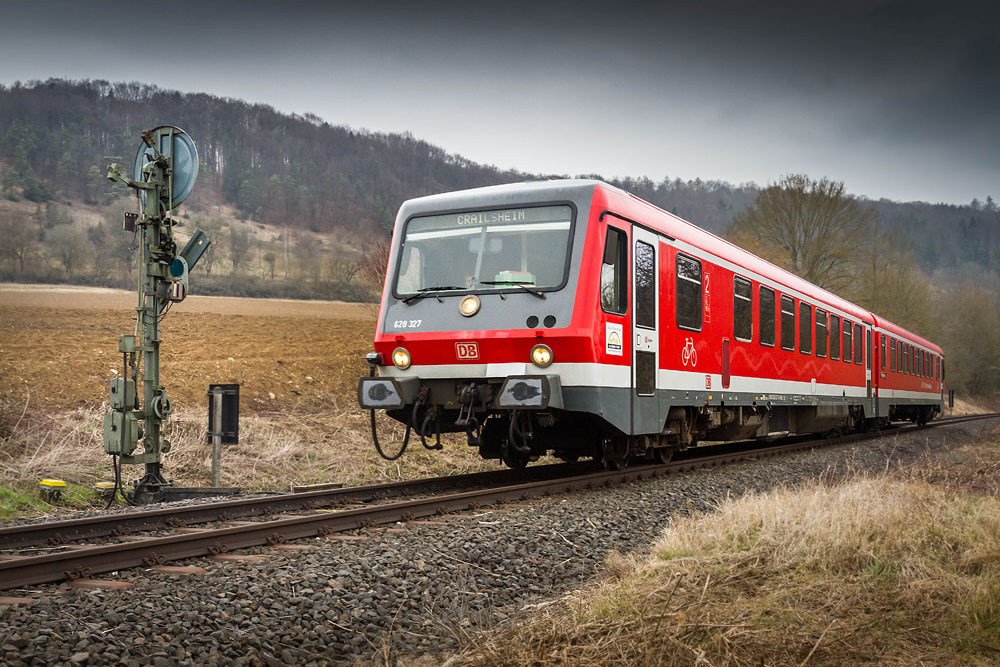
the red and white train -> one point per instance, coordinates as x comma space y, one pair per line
570, 316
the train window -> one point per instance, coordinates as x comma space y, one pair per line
943, 374
805, 327
614, 272
937, 368
859, 342
688, 293
892, 355
882, 356
765, 316
835, 337
820, 332
486, 251
847, 342
645, 285
742, 309
906, 355
787, 323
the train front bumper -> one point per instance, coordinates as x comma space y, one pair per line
533, 392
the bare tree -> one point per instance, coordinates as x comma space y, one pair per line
270, 258
20, 238
69, 245
373, 263
239, 245
889, 282
307, 253
342, 267
812, 228
971, 321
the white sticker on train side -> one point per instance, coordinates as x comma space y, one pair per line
613, 338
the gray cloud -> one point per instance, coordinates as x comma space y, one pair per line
898, 99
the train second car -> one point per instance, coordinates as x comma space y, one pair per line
574, 318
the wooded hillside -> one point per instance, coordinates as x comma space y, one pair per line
57, 137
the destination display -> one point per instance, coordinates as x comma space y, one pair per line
507, 216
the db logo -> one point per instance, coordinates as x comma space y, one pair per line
467, 350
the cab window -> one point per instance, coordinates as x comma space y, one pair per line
614, 272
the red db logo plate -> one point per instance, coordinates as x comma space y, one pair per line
467, 351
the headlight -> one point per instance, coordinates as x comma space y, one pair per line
541, 355
401, 358
469, 306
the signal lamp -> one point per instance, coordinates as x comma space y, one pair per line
469, 306
541, 356
401, 357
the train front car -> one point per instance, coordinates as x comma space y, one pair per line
486, 324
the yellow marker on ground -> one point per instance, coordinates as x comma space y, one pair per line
52, 489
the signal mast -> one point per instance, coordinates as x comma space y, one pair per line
166, 167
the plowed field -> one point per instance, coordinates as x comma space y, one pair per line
60, 345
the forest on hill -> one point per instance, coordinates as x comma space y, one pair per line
57, 137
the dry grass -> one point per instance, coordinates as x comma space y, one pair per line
897, 569
276, 450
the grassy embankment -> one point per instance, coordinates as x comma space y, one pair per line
901, 568
276, 450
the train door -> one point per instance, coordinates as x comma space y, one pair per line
645, 340
868, 369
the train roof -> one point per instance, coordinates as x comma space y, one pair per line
900, 332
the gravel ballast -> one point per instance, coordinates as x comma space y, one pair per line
407, 592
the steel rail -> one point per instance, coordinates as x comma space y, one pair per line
62, 532
70, 530
85, 561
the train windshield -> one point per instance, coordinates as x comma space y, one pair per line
486, 250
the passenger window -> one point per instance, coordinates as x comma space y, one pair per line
882, 356
742, 309
835, 337
765, 316
787, 323
820, 332
805, 328
859, 341
944, 373
688, 293
892, 355
614, 273
645, 285
847, 342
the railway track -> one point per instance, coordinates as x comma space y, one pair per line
279, 522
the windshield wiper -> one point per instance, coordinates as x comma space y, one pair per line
426, 291
512, 283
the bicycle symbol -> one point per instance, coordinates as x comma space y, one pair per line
689, 354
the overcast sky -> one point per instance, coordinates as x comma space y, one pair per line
898, 99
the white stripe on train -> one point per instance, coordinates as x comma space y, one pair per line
614, 376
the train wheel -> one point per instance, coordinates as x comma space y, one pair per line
663, 454
614, 453
515, 459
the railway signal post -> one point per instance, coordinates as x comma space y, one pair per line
166, 166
